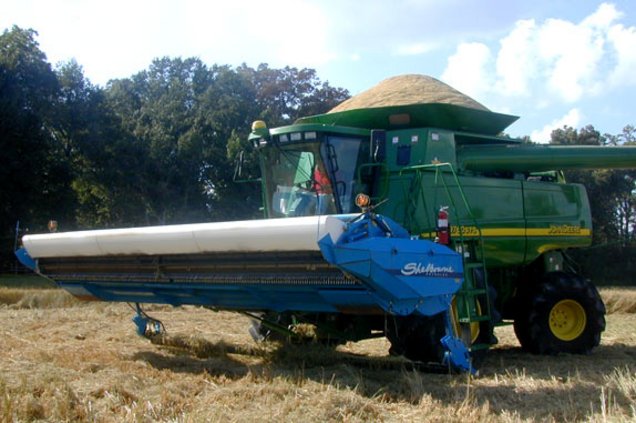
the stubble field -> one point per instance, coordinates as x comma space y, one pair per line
61, 360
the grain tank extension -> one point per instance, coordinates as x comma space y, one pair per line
457, 231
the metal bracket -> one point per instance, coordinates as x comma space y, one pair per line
146, 325
457, 355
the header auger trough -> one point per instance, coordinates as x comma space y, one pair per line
460, 231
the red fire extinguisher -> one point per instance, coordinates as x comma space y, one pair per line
443, 228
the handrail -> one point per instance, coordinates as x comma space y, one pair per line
412, 199
439, 176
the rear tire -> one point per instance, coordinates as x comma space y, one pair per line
562, 314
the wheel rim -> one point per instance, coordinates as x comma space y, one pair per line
567, 320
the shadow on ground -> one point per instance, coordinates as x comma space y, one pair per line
511, 381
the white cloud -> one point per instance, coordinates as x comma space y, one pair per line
119, 38
515, 64
415, 49
572, 118
252, 31
467, 71
623, 42
551, 61
570, 55
604, 16
295, 31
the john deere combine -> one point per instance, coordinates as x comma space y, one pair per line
401, 213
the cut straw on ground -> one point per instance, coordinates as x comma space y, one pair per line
62, 360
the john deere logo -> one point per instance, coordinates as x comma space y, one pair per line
564, 229
414, 269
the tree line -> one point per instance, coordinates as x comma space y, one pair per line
155, 148
160, 146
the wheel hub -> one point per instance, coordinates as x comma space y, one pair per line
567, 320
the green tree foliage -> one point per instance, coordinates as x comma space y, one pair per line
284, 95
626, 194
89, 137
156, 111
34, 177
191, 123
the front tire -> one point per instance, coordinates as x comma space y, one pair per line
564, 313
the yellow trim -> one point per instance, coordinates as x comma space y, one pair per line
503, 232
552, 231
559, 230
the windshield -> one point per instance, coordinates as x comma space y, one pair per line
312, 178
343, 156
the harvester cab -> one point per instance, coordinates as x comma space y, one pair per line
307, 170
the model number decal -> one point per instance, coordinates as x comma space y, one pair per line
464, 230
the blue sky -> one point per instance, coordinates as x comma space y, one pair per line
552, 62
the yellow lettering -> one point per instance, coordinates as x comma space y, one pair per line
464, 231
564, 230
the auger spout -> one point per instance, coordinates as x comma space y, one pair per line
541, 158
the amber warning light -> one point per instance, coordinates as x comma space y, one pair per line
363, 201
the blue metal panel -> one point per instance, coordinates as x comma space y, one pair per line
231, 297
403, 274
24, 258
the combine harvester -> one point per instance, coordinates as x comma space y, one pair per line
468, 231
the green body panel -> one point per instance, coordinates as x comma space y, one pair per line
308, 128
540, 158
417, 146
436, 115
518, 220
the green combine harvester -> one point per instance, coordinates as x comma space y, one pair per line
461, 230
